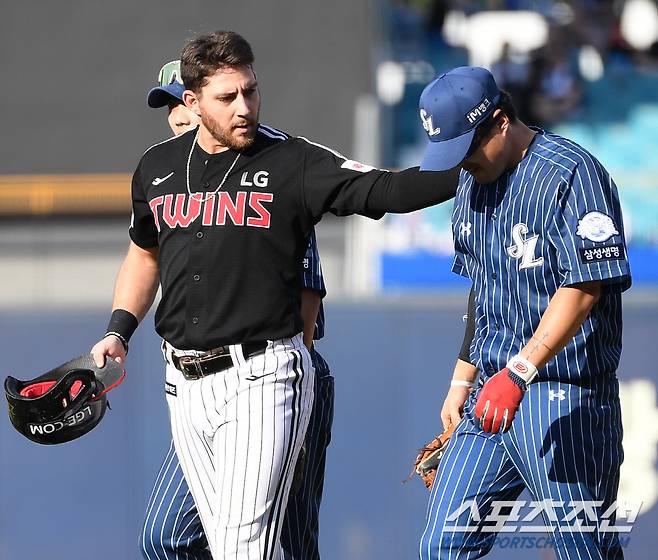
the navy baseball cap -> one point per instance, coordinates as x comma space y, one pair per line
451, 108
170, 84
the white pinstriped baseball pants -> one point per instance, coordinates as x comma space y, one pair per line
237, 434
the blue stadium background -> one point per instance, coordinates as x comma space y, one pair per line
86, 499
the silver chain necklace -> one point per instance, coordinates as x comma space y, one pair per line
206, 196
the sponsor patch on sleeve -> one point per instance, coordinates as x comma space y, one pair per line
597, 227
356, 166
614, 252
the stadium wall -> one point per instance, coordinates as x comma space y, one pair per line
391, 361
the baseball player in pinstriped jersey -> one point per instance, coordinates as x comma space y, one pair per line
538, 229
172, 527
221, 221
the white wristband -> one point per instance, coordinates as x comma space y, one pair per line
523, 368
461, 383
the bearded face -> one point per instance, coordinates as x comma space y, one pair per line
228, 105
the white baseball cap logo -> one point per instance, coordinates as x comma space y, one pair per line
427, 123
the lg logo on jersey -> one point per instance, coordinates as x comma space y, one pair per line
260, 179
524, 248
180, 210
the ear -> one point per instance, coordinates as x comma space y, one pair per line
502, 120
191, 101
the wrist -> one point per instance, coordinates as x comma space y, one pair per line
122, 325
462, 383
521, 369
122, 340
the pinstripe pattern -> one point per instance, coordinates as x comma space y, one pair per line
312, 278
237, 435
172, 529
299, 538
519, 240
554, 187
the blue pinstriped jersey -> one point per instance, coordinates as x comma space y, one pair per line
552, 221
312, 278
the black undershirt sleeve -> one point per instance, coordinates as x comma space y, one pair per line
469, 332
409, 190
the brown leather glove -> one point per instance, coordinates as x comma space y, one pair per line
429, 456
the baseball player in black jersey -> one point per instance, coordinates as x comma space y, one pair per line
221, 220
172, 528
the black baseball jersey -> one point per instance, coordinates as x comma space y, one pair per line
232, 229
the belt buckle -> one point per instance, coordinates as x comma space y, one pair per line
188, 364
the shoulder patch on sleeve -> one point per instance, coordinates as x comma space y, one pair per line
597, 227
615, 252
356, 166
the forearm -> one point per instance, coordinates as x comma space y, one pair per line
411, 189
309, 310
465, 371
469, 329
137, 281
565, 314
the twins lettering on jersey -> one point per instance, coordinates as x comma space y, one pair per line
242, 209
215, 209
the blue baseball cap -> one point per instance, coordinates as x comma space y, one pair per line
170, 84
451, 108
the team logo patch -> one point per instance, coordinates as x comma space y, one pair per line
428, 125
356, 166
596, 226
170, 389
524, 247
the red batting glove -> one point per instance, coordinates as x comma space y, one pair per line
502, 394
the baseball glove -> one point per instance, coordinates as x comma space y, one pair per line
429, 456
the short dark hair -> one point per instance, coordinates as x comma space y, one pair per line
507, 105
203, 56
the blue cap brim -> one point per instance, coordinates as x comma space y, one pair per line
162, 95
441, 156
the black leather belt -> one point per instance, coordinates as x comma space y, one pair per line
217, 359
